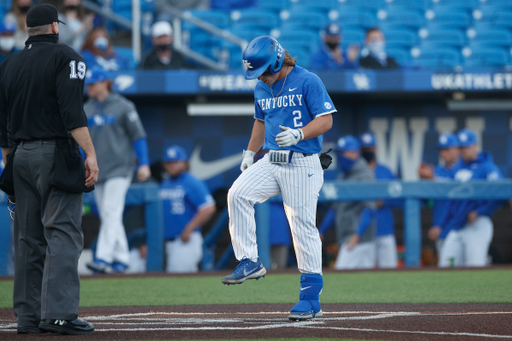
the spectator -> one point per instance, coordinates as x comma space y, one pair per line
449, 153
7, 39
162, 56
331, 55
375, 56
355, 221
385, 241
467, 244
78, 24
98, 51
117, 135
18, 16
188, 204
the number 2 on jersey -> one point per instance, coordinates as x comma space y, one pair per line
81, 70
296, 120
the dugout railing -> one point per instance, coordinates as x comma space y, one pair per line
332, 191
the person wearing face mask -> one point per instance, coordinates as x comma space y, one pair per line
78, 24
354, 220
18, 16
331, 55
162, 56
98, 52
7, 40
374, 53
385, 241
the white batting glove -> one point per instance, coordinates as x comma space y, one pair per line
289, 137
248, 160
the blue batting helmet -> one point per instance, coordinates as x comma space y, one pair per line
448, 141
348, 144
367, 140
467, 138
261, 53
175, 153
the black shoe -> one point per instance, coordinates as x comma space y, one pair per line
30, 330
69, 327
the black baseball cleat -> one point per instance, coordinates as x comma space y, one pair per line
30, 330
69, 327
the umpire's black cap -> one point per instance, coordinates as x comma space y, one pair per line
42, 14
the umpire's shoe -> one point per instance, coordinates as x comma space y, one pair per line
30, 330
69, 327
247, 269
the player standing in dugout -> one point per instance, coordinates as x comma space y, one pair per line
292, 112
41, 102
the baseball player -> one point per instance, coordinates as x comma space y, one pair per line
355, 220
188, 204
467, 243
449, 153
117, 134
292, 112
385, 241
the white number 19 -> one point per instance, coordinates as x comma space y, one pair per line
81, 70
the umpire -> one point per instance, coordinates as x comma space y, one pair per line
41, 100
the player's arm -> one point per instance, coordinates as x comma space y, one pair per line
318, 126
201, 217
255, 144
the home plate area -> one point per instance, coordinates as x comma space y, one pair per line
477, 321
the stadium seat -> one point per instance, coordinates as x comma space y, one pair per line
491, 35
217, 18
501, 19
443, 57
416, 4
127, 54
353, 37
249, 33
375, 5
448, 37
359, 18
303, 55
318, 5
299, 36
488, 57
400, 55
410, 19
257, 17
400, 38
448, 17
315, 21
466, 5
275, 6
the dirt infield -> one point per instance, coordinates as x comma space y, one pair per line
469, 321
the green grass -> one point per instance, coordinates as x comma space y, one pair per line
364, 287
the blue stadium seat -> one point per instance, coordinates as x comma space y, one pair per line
400, 55
410, 19
418, 4
320, 5
375, 5
300, 36
257, 17
449, 18
217, 18
501, 19
315, 21
466, 5
400, 38
393, 26
448, 37
303, 55
273, 5
127, 54
493, 35
357, 18
353, 37
443, 57
496, 2
249, 33
488, 57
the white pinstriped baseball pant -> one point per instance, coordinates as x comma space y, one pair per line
300, 182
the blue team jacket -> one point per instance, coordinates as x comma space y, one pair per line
483, 168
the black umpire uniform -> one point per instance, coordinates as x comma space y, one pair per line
41, 99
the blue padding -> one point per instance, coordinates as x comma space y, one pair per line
310, 288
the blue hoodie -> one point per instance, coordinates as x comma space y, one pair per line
483, 168
441, 207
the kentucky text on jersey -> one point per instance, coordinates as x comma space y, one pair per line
280, 102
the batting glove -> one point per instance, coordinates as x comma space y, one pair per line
289, 137
248, 160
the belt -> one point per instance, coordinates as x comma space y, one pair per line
32, 142
303, 154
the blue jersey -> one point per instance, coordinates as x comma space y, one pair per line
323, 58
303, 98
385, 217
182, 197
483, 168
441, 207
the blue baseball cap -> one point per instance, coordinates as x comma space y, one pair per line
467, 138
367, 140
333, 30
175, 153
96, 74
348, 144
448, 141
7, 27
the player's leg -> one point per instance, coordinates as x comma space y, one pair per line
452, 251
253, 186
300, 182
101, 265
112, 242
185, 257
386, 251
477, 238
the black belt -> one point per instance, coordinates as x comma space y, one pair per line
303, 154
32, 142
